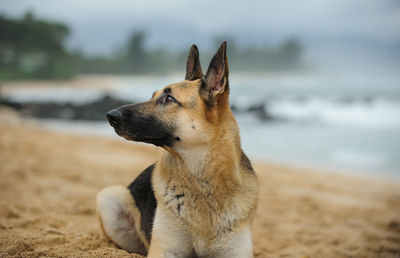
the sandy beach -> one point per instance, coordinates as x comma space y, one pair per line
49, 181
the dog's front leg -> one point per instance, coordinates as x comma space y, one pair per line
236, 244
169, 237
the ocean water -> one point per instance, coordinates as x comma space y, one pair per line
345, 123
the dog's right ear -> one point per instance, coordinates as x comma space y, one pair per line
193, 68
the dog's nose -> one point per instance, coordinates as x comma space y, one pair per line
114, 116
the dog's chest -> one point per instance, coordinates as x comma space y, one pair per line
174, 198
200, 207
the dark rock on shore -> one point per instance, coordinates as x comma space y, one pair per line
95, 110
259, 109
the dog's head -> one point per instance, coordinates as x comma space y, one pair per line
185, 113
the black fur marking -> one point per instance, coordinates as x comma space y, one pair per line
143, 194
179, 208
179, 103
167, 90
245, 162
143, 128
174, 200
179, 196
178, 139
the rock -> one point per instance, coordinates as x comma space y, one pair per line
95, 110
261, 111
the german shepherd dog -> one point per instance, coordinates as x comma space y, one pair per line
199, 199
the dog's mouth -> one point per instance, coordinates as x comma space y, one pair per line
114, 124
120, 133
137, 138
158, 140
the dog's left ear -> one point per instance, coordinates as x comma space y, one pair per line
193, 68
216, 79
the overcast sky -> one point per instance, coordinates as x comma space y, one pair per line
365, 30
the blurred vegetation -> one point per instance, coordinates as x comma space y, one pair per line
35, 48
31, 48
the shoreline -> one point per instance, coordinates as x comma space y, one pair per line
387, 177
84, 128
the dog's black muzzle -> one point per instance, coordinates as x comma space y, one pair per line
134, 125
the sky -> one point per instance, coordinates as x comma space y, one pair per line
334, 32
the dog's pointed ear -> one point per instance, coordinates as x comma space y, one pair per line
193, 68
216, 79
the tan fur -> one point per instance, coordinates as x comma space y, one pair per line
220, 196
205, 188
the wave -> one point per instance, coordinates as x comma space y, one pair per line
368, 112
380, 113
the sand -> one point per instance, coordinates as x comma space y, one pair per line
103, 82
49, 181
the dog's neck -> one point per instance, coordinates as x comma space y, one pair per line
208, 160
195, 160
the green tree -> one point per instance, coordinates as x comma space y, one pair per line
33, 48
290, 53
136, 53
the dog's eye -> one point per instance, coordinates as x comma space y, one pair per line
169, 99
